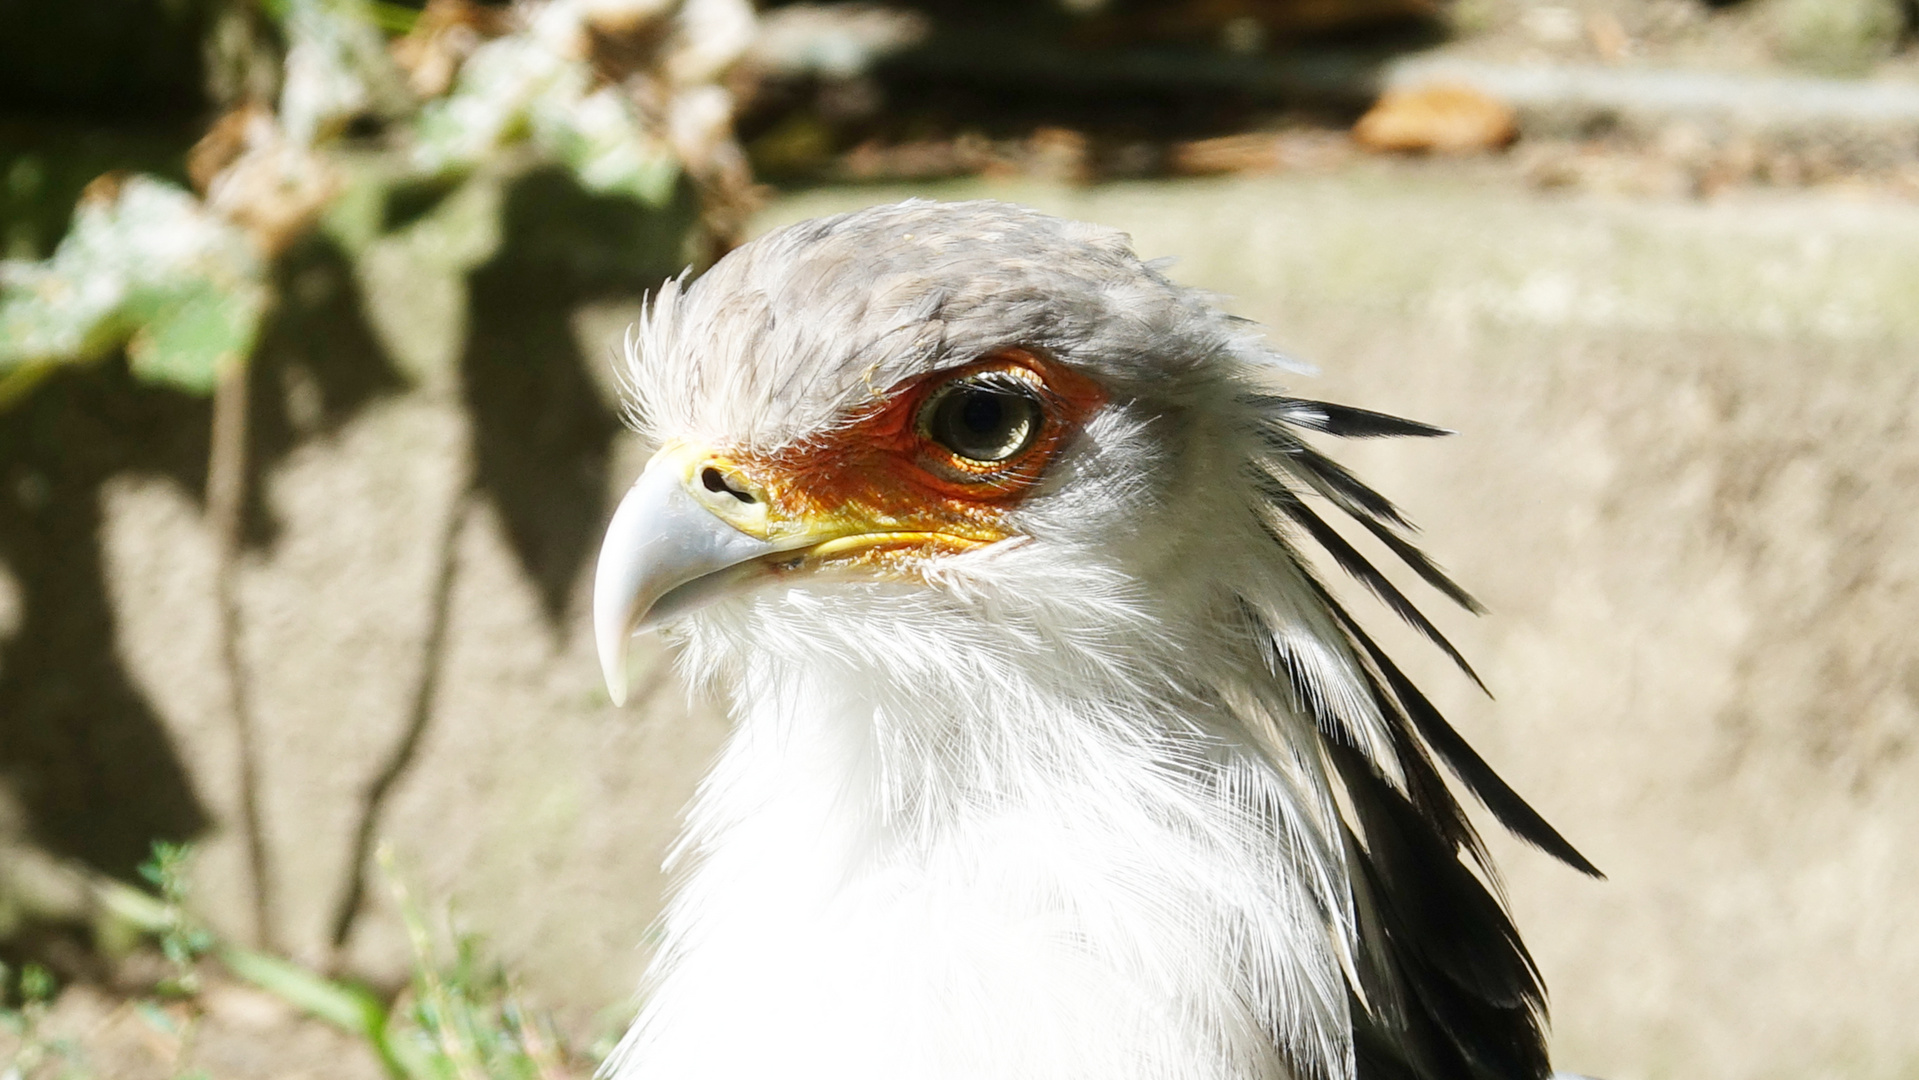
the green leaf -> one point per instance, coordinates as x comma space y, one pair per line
396, 19
601, 138
36, 983
337, 68
149, 914
518, 89
189, 339
150, 267
347, 1007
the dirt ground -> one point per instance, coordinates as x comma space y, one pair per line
241, 1032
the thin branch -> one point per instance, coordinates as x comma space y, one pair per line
380, 788
226, 508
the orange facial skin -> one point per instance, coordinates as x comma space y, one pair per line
895, 497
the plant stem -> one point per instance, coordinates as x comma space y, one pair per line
226, 508
420, 711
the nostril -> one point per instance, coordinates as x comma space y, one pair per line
715, 481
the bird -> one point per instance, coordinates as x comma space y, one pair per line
1053, 752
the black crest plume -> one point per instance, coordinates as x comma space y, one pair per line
1446, 990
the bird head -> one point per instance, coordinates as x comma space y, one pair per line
971, 404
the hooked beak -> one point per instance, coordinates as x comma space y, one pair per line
669, 547
696, 525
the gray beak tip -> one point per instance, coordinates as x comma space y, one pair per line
610, 633
659, 540
613, 667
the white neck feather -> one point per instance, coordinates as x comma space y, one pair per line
931, 850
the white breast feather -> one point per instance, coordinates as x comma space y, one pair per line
1073, 839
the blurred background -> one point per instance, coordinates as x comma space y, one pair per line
309, 427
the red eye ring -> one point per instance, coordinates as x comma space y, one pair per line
886, 461
1060, 400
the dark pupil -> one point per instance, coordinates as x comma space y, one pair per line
981, 413
984, 423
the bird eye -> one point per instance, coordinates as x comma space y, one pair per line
983, 420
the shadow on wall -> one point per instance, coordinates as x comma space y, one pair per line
543, 431
88, 758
